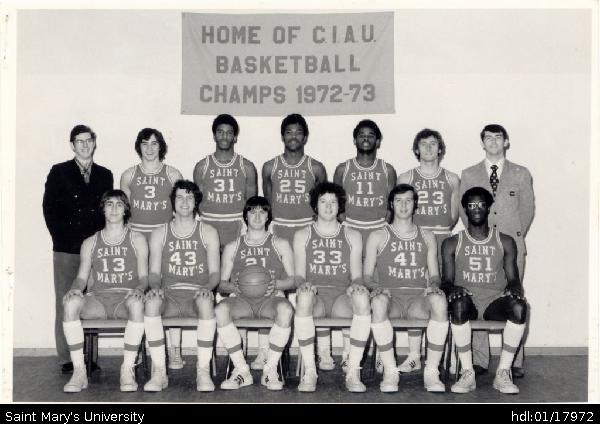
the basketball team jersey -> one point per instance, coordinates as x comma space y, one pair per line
328, 258
366, 193
435, 194
150, 199
114, 265
184, 258
402, 262
263, 253
224, 187
291, 185
480, 264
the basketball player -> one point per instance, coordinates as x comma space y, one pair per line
184, 270
438, 191
227, 179
115, 263
405, 258
148, 185
328, 261
257, 246
481, 277
287, 181
367, 181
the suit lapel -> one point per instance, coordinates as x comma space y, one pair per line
505, 177
483, 176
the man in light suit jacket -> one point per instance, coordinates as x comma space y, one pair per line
511, 213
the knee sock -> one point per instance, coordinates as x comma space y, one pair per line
278, 338
233, 343
383, 333
511, 337
359, 333
462, 338
156, 340
305, 330
205, 337
74, 335
414, 343
436, 336
263, 339
134, 331
323, 341
346, 342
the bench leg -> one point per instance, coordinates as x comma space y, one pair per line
144, 354
448, 354
88, 342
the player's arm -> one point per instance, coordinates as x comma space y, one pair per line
455, 198
141, 251
211, 237
300, 239
432, 262
251, 179
526, 202
287, 259
155, 261
198, 171
449, 267
338, 178
174, 174
511, 270
225, 285
267, 184
126, 178
391, 177
374, 243
356, 269
404, 178
319, 171
462, 188
83, 273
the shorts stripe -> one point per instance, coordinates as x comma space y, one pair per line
435, 347
509, 348
156, 343
76, 346
306, 342
131, 348
205, 343
236, 348
385, 347
276, 348
358, 343
463, 349
414, 333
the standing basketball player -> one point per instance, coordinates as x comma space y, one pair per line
256, 247
328, 261
148, 186
227, 179
438, 200
287, 181
405, 258
481, 277
184, 270
116, 259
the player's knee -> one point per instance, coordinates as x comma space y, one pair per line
284, 312
304, 302
361, 304
459, 310
379, 306
439, 306
223, 313
152, 307
72, 309
135, 309
518, 312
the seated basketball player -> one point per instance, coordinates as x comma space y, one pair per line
328, 260
405, 258
116, 259
481, 277
260, 247
184, 270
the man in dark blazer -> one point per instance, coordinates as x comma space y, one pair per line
511, 213
71, 210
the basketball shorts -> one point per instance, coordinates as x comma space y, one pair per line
105, 305
228, 230
483, 300
179, 303
245, 307
402, 299
329, 296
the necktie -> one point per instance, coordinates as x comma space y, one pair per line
494, 178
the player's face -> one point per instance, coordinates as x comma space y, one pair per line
257, 218
184, 202
494, 143
327, 207
83, 146
477, 210
366, 140
114, 210
404, 205
429, 149
294, 137
150, 148
225, 136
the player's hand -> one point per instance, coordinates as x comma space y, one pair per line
270, 287
456, 292
380, 290
155, 293
514, 292
355, 289
72, 293
204, 294
136, 294
434, 290
307, 287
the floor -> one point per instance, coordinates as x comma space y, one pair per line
548, 379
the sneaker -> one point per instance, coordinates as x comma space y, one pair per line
308, 383
344, 363
127, 380
260, 361
176, 362
378, 364
503, 382
431, 380
325, 361
203, 381
390, 381
78, 381
353, 383
410, 364
158, 381
270, 379
466, 383
239, 378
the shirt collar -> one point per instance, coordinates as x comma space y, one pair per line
499, 164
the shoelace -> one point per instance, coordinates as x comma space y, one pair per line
239, 379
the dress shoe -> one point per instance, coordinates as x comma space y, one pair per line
479, 370
518, 372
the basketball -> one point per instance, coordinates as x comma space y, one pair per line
253, 281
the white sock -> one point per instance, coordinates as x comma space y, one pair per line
205, 335
414, 343
263, 339
278, 338
233, 343
323, 341
305, 330
383, 333
436, 336
156, 340
462, 338
134, 331
511, 337
346, 342
174, 338
74, 336
359, 334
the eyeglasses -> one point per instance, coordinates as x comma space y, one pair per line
86, 141
476, 205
